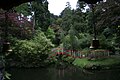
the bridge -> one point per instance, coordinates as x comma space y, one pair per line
80, 54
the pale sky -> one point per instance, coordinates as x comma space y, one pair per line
57, 6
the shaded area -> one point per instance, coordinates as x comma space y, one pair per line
64, 74
8, 4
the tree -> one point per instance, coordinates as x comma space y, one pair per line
70, 41
31, 53
50, 34
38, 11
80, 18
42, 14
108, 16
24, 9
66, 16
16, 24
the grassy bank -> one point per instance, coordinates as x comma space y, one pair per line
104, 63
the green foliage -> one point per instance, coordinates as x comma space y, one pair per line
107, 14
107, 32
84, 40
7, 75
80, 19
42, 14
107, 44
58, 21
64, 60
107, 62
71, 41
50, 34
53, 18
24, 9
72, 28
32, 53
66, 16
61, 60
38, 10
78, 42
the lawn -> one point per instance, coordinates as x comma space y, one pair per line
110, 62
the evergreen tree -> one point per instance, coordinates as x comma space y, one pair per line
66, 16
79, 18
42, 14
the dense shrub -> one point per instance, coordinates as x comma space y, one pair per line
31, 53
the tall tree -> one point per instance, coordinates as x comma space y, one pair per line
66, 16
108, 14
79, 18
42, 14
70, 41
108, 20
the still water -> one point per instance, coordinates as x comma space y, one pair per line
63, 74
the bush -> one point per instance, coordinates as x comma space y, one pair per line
32, 53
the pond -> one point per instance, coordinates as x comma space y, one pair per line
63, 74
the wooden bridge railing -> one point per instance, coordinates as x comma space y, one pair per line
81, 54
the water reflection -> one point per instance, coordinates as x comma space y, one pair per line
63, 74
